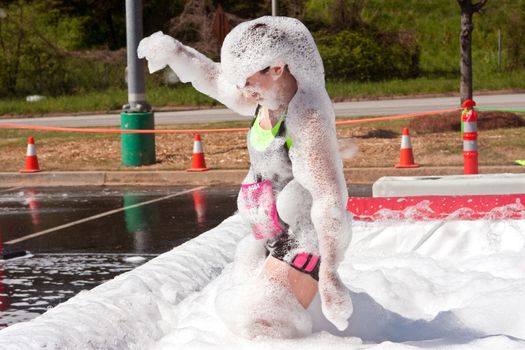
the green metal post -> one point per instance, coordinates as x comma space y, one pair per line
137, 149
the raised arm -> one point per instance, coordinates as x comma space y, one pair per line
191, 66
317, 166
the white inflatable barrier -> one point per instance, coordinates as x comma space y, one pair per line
454, 185
419, 284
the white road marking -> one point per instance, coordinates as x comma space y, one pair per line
40, 233
10, 189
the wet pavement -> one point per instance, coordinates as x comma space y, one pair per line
70, 259
151, 228
81, 237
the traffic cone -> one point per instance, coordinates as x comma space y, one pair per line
406, 157
31, 159
197, 158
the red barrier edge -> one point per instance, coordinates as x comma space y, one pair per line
420, 208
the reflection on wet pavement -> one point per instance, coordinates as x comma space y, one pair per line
91, 235
98, 223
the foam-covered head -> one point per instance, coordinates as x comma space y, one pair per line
270, 41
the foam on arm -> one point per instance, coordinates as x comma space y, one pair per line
318, 167
191, 66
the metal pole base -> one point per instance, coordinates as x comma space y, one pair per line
137, 149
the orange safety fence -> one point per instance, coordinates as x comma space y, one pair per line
395, 117
166, 131
115, 131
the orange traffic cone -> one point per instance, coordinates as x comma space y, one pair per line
406, 157
31, 159
197, 158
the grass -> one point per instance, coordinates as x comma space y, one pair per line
184, 95
437, 24
493, 81
341, 91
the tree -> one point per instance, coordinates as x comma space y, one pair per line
104, 22
465, 43
39, 52
337, 14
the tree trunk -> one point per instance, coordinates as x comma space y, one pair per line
465, 44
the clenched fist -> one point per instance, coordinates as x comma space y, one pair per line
158, 48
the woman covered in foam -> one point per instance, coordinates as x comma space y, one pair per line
294, 195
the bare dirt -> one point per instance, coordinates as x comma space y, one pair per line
365, 145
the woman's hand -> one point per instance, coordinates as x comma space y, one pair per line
335, 299
158, 49
162, 50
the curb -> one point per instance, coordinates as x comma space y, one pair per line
213, 177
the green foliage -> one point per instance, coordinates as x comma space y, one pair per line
352, 55
41, 43
515, 27
335, 14
34, 44
436, 24
318, 11
68, 32
102, 23
355, 49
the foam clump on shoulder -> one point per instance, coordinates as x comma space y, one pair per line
269, 41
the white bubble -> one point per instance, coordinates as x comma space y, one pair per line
134, 259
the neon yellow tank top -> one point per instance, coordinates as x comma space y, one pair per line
261, 138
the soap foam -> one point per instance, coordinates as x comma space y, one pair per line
320, 199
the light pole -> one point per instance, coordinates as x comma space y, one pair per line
274, 7
137, 149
